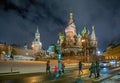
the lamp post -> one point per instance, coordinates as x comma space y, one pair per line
11, 58
84, 49
59, 56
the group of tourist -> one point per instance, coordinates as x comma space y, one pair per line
57, 70
94, 68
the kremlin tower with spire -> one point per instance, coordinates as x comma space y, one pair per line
36, 44
82, 43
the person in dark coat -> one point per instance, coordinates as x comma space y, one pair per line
59, 67
97, 69
63, 67
48, 67
92, 69
80, 67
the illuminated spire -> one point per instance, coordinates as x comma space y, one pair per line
84, 31
93, 36
37, 31
37, 34
71, 18
79, 36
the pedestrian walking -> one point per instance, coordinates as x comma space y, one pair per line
80, 67
56, 74
97, 66
48, 67
92, 69
59, 67
63, 67
55, 70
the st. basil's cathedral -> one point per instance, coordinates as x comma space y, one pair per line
82, 43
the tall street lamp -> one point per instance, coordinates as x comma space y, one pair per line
11, 57
84, 48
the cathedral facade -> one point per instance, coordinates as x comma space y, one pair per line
82, 43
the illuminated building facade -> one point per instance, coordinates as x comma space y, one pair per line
81, 43
112, 52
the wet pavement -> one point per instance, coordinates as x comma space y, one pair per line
71, 76
68, 77
114, 79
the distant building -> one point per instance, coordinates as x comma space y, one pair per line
2, 48
81, 43
22, 51
51, 50
2, 45
25, 46
112, 52
8, 49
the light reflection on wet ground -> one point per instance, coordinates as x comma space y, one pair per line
114, 79
22, 80
104, 70
69, 77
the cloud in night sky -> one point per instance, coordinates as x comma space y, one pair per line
19, 18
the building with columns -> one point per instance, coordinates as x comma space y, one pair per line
82, 43
112, 52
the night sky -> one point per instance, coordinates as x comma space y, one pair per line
19, 19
